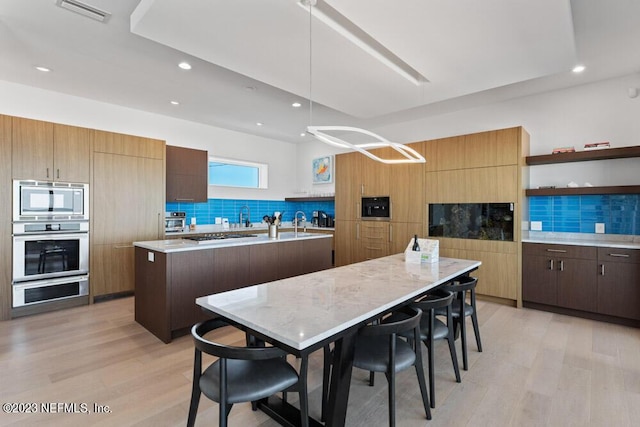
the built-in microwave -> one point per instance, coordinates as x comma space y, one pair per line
44, 200
376, 208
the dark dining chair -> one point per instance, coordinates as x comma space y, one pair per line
432, 329
461, 310
241, 374
380, 348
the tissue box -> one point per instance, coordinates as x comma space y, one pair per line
429, 252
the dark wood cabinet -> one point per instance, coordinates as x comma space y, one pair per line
619, 282
596, 282
560, 275
187, 174
167, 284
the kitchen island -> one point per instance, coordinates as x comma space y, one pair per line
171, 274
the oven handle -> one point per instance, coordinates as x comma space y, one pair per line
50, 236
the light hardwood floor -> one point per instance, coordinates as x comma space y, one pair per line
537, 369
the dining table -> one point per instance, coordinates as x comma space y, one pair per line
304, 313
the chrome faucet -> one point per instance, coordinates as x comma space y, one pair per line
295, 222
248, 221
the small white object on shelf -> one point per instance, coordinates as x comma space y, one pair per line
429, 252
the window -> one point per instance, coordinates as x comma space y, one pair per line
237, 173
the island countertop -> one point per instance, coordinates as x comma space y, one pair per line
182, 245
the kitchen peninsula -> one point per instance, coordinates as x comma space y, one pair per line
171, 274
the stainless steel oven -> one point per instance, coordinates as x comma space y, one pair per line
44, 201
49, 255
42, 291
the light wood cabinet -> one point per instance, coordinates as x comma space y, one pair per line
5, 217
346, 242
187, 174
127, 205
348, 189
485, 167
373, 239
401, 233
50, 152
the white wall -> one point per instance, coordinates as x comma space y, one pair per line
594, 112
30, 102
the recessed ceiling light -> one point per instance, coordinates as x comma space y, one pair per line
184, 65
43, 69
259, 124
250, 88
303, 134
175, 103
296, 105
578, 68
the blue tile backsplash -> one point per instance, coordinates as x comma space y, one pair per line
579, 214
206, 213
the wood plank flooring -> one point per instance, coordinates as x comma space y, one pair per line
537, 369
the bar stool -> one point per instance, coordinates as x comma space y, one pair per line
461, 309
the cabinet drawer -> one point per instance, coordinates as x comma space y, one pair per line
559, 251
619, 255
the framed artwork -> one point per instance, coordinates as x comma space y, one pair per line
322, 168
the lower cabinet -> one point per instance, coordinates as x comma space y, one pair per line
603, 281
167, 284
619, 282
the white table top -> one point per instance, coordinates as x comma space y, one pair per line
183, 245
305, 310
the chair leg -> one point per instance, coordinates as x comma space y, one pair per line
463, 334
476, 329
224, 414
193, 407
431, 365
392, 397
454, 356
371, 378
423, 387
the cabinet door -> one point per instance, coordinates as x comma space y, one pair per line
5, 217
347, 186
290, 255
112, 269
187, 173
407, 193
401, 233
346, 240
619, 289
317, 255
577, 284
71, 152
539, 279
263, 265
128, 199
32, 143
375, 175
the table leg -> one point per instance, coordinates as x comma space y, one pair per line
340, 381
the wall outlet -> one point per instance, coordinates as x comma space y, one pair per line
151, 257
600, 227
536, 225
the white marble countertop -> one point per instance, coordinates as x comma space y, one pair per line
182, 245
583, 239
261, 227
305, 310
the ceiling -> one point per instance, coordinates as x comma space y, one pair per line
251, 59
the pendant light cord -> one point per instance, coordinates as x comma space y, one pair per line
310, 65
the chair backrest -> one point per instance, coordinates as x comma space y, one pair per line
223, 351
463, 283
408, 323
436, 299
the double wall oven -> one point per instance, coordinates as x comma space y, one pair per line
50, 242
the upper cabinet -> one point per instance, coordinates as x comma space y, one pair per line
50, 152
187, 174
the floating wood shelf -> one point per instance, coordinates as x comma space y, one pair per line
310, 199
582, 191
583, 156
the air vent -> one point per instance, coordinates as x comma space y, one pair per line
84, 9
